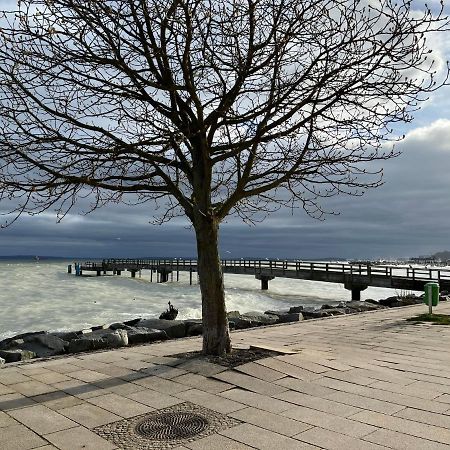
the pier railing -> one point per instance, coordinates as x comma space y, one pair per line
275, 265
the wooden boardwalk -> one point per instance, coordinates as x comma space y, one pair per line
354, 277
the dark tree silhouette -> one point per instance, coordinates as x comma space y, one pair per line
208, 107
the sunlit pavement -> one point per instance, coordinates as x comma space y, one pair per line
366, 381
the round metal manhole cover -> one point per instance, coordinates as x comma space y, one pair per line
169, 426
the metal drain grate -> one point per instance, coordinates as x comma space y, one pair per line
166, 428
177, 425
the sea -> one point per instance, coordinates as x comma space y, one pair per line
41, 295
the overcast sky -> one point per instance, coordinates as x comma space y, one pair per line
408, 216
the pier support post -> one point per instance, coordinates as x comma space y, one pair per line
119, 272
264, 280
69, 268
164, 273
99, 272
355, 288
133, 274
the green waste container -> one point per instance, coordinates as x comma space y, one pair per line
431, 294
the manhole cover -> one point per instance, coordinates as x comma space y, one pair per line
167, 428
177, 425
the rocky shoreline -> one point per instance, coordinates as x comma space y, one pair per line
44, 344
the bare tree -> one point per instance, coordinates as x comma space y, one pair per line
208, 107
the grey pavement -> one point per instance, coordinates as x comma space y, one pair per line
366, 381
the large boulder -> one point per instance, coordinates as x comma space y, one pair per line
194, 327
290, 317
98, 339
258, 318
141, 335
40, 344
309, 313
362, 306
15, 355
2, 361
295, 309
173, 328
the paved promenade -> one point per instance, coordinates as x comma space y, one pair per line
365, 382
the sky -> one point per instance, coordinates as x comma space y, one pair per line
408, 216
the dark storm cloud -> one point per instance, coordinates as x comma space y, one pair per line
408, 215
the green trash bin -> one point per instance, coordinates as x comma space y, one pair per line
431, 294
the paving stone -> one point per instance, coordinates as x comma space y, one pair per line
204, 368
259, 371
205, 384
211, 401
299, 361
88, 375
288, 369
9, 376
401, 441
307, 387
392, 397
407, 390
78, 438
329, 439
328, 406
154, 399
329, 421
263, 439
30, 388
4, 389
259, 401
365, 402
6, 420
270, 421
217, 442
90, 416
119, 405
18, 437
14, 401
161, 385
41, 419
50, 377
410, 427
164, 371
57, 400
249, 383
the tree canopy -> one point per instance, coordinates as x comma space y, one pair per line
207, 107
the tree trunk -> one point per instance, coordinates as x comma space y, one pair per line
216, 334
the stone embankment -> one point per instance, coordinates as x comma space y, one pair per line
44, 344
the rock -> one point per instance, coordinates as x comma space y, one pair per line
194, 327
443, 298
65, 335
372, 301
140, 335
2, 361
362, 306
98, 339
290, 317
15, 355
316, 313
233, 314
327, 307
277, 312
120, 326
173, 328
132, 322
295, 309
390, 302
257, 318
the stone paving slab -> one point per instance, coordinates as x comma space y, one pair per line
367, 381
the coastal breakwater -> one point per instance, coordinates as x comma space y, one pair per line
44, 344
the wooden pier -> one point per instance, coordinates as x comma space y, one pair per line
354, 277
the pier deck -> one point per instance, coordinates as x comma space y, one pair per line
354, 277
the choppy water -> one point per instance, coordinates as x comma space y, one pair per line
42, 296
